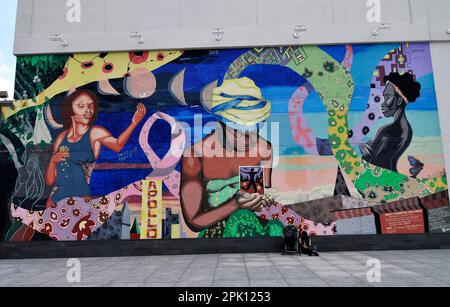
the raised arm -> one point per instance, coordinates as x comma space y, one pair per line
102, 136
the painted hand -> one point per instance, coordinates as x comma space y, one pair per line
59, 157
139, 114
252, 202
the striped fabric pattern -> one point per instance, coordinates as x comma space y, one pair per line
410, 204
352, 213
435, 201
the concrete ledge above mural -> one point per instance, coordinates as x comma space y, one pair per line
238, 143
107, 25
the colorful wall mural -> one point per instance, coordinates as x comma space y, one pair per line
335, 140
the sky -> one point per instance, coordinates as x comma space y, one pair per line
7, 59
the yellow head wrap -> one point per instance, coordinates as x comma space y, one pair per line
240, 101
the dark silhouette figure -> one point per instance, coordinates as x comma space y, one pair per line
391, 140
252, 182
306, 245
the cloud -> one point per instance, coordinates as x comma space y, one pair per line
299, 196
6, 72
6, 85
6, 79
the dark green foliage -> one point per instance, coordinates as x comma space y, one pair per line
36, 73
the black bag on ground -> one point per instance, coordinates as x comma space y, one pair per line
290, 240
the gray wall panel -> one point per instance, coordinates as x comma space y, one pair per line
181, 24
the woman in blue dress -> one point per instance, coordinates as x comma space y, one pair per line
78, 147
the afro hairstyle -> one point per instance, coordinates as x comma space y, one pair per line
406, 83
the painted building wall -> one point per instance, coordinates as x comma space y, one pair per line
92, 27
220, 143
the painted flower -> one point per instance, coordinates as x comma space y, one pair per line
365, 164
36, 79
108, 68
53, 216
65, 223
76, 212
330, 66
103, 201
377, 171
347, 167
335, 103
372, 195
160, 56
290, 220
71, 201
335, 141
341, 155
48, 228
332, 122
83, 228
103, 217
389, 189
353, 154
118, 196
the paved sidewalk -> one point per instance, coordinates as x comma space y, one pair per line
398, 268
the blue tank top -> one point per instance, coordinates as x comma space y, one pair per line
71, 179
